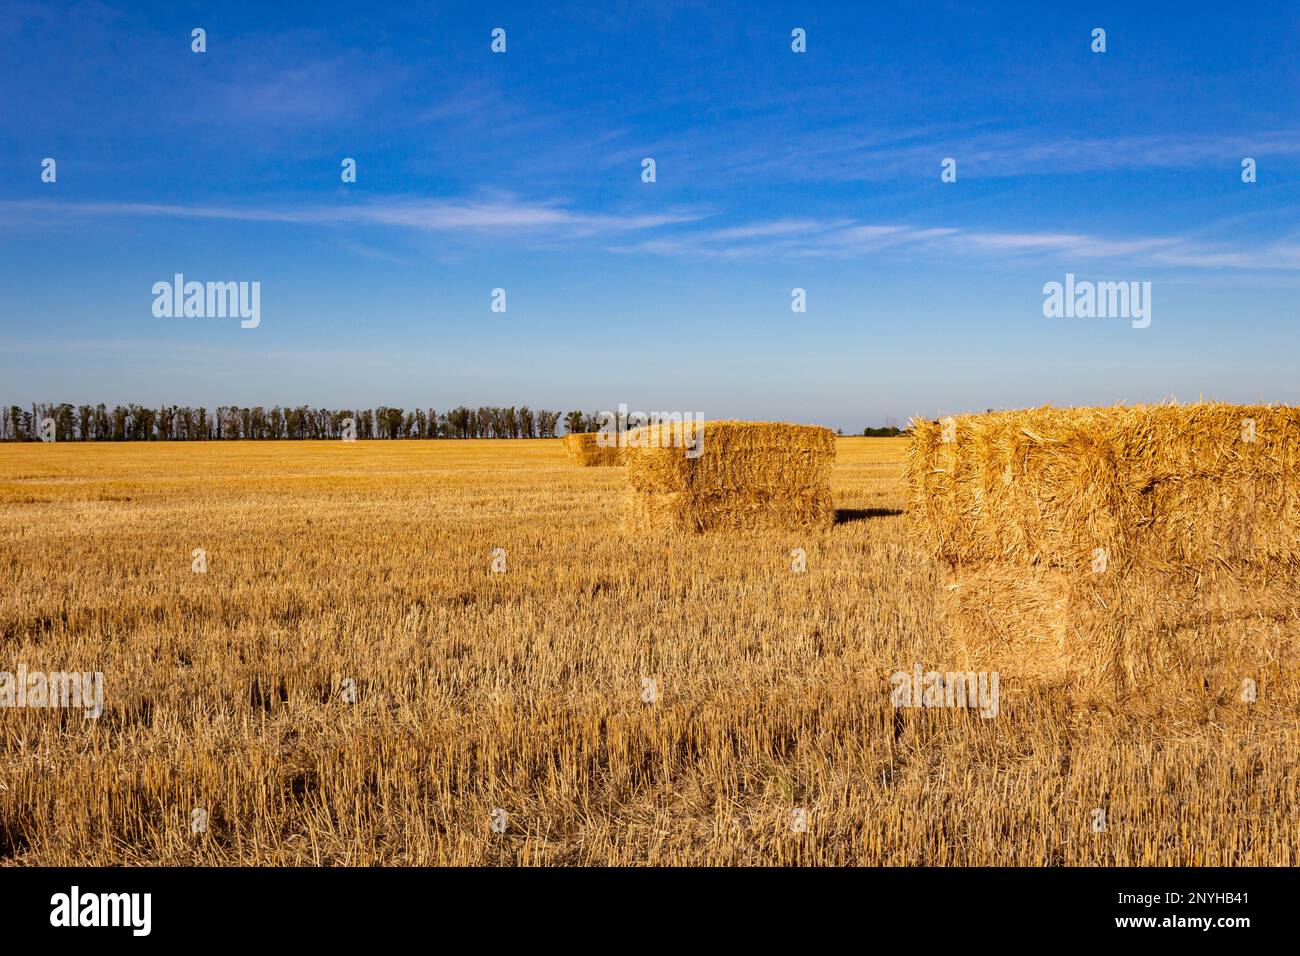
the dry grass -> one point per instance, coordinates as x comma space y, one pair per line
523, 690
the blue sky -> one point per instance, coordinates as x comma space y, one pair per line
775, 170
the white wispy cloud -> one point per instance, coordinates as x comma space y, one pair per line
843, 156
681, 233
307, 92
840, 239
425, 215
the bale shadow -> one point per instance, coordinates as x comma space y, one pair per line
847, 515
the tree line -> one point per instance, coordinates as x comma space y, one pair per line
65, 422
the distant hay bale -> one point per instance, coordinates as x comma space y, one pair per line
1119, 548
584, 448
700, 476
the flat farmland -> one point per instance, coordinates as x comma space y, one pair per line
457, 652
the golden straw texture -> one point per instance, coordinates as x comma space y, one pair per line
583, 448
745, 475
1168, 483
1146, 549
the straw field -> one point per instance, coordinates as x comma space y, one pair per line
533, 683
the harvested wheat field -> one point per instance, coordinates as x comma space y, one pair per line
360, 676
585, 449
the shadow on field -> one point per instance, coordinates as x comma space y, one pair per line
846, 515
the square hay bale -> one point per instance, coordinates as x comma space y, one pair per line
1013, 621
1164, 633
584, 448
1172, 483
697, 476
1194, 510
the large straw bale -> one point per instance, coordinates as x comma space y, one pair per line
1194, 509
1162, 483
1013, 622
1157, 631
745, 475
587, 449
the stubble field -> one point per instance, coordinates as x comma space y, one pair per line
351, 682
